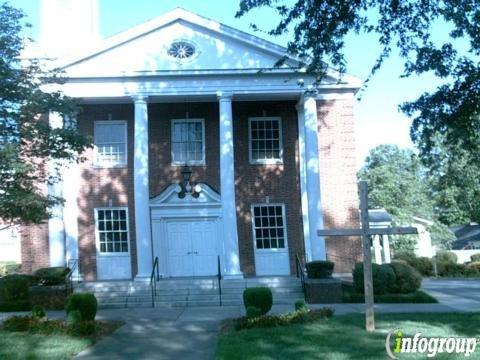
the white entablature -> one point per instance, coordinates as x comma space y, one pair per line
141, 61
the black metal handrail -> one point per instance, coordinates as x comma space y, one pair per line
72, 266
154, 279
219, 277
300, 272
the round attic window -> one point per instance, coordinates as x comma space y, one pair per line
181, 50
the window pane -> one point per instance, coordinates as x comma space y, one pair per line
265, 139
113, 236
268, 226
188, 141
110, 143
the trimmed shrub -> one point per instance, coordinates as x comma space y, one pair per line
52, 275
446, 269
50, 297
423, 265
85, 303
475, 265
407, 278
475, 258
253, 311
14, 292
82, 328
404, 255
259, 297
74, 317
383, 278
320, 269
38, 312
300, 305
446, 257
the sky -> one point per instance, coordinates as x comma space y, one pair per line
378, 120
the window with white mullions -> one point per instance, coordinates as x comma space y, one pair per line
112, 228
110, 143
188, 142
265, 138
269, 226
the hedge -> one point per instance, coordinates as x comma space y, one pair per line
319, 269
14, 292
407, 278
383, 278
52, 275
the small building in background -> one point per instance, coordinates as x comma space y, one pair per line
424, 242
380, 218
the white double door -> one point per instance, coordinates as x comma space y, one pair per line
192, 246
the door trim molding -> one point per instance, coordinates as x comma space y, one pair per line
167, 206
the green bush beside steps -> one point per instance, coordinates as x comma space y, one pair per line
397, 282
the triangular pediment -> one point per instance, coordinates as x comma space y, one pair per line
145, 49
205, 196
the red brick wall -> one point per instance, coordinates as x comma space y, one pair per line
162, 172
100, 186
338, 179
255, 182
34, 247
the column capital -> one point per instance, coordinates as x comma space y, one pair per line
224, 95
139, 98
309, 94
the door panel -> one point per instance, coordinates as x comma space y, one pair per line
179, 248
204, 245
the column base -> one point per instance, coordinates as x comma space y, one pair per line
237, 276
141, 278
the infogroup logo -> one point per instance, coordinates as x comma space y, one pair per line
431, 346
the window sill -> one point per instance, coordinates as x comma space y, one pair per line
122, 166
188, 164
267, 162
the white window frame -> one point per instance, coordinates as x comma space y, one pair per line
285, 232
96, 162
97, 232
188, 162
280, 138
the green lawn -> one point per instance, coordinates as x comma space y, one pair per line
37, 346
27, 345
344, 337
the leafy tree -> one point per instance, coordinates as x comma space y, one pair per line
397, 182
27, 140
452, 110
454, 175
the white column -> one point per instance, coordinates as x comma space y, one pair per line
303, 182
312, 164
71, 188
56, 230
141, 190
227, 188
377, 249
386, 249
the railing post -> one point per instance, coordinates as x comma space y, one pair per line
219, 276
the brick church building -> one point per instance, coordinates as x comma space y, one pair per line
201, 152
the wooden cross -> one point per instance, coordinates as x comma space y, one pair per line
365, 232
